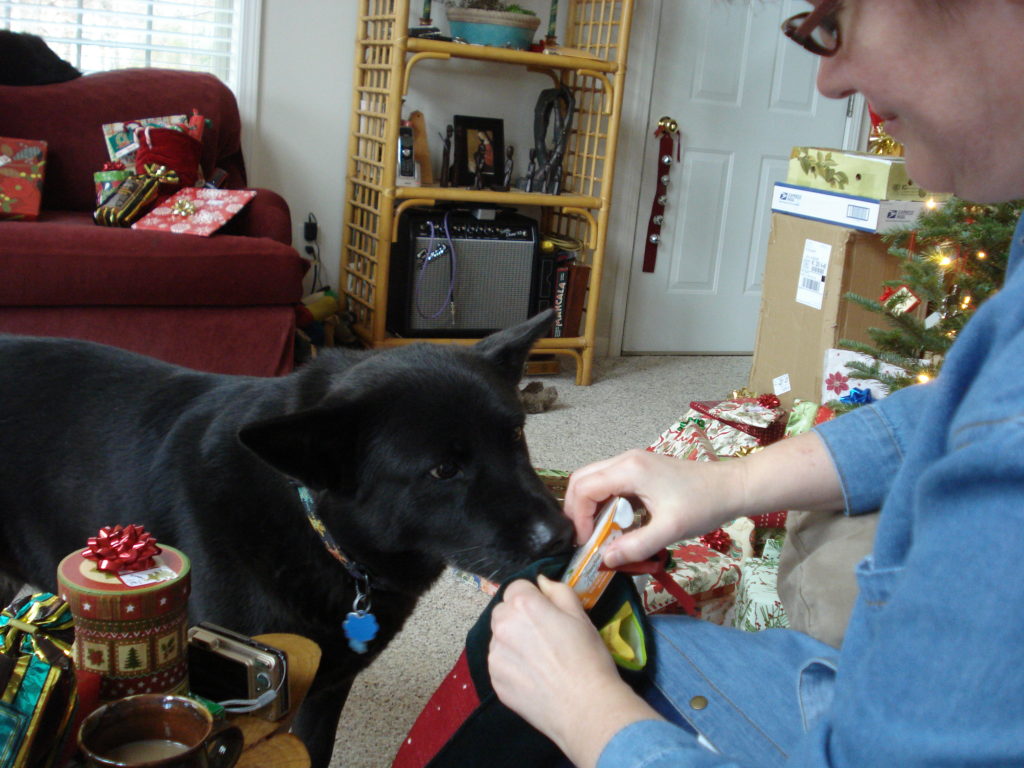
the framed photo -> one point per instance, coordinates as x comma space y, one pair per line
479, 142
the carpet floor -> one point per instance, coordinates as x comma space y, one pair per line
632, 400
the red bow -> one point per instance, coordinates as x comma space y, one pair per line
718, 540
114, 165
117, 549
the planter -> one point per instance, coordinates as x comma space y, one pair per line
497, 28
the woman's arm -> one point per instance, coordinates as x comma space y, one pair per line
686, 498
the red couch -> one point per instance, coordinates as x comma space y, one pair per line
223, 303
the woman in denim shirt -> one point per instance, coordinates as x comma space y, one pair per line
931, 671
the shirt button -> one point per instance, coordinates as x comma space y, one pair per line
698, 702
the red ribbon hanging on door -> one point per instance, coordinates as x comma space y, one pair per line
667, 133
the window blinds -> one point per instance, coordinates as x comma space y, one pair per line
94, 35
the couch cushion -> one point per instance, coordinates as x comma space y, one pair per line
69, 117
82, 264
251, 341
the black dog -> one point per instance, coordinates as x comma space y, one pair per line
415, 456
27, 60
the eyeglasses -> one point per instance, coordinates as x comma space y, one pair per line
816, 30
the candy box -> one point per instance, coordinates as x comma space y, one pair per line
880, 177
130, 621
22, 162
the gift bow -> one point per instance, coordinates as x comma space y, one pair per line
161, 173
116, 549
858, 396
37, 624
183, 208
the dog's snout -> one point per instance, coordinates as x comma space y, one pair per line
553, 537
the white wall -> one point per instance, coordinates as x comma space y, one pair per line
300, 137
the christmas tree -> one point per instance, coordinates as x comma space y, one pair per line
954, 257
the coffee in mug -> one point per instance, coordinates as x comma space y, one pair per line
157, 731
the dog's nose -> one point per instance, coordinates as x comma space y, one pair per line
553, 537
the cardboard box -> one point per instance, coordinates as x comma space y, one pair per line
861, 213
880, 177
809, 267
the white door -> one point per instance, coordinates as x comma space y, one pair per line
743, 95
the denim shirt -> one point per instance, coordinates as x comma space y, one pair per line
931, 671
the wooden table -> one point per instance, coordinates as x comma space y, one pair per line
268, 744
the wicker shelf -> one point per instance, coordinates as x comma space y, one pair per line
592, 64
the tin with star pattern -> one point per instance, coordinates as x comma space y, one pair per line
130, 627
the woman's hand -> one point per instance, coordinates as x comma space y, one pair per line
689, 498
683, 499
549, 665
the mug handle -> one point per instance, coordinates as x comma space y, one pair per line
224, 747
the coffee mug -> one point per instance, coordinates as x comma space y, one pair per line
157, 730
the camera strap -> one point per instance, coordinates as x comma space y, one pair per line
360, 625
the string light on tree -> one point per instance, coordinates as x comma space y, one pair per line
953, 259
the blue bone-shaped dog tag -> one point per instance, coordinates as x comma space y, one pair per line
360, 628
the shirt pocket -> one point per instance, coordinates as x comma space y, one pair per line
876, 584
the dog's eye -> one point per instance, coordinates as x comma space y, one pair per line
445, 471
517, 434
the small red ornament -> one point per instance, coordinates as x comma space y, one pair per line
119, 549
905, 299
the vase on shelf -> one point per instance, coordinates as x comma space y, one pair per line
502, 29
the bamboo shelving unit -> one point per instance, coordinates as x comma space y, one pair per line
597, 35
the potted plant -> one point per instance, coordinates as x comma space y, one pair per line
492, 22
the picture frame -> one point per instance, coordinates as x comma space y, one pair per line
470, 133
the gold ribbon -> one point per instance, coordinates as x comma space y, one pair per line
37, 623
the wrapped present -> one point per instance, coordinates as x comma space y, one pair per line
129, 597
709, 576
736, 427
686, 439
757, 604
109, 179
22, 163
38, 693
133, 197
194, 211
120, 138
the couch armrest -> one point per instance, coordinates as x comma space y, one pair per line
266, 215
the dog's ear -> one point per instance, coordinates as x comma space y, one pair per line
508, 349
302, 445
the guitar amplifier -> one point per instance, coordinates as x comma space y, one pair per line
454, 274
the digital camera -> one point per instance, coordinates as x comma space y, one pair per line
239, 673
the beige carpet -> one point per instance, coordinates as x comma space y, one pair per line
630, 402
